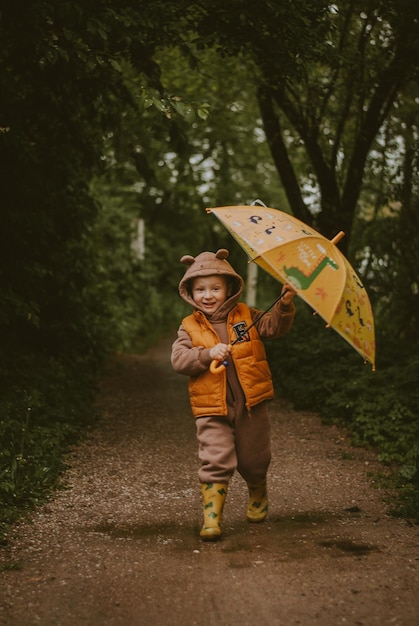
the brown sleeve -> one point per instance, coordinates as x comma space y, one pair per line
186, 358
277, 322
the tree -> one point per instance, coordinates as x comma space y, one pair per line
342, 102
387, 228
62, 87
328, 91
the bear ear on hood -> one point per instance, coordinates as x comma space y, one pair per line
221, 254
187, 259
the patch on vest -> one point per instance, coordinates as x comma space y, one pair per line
240, 330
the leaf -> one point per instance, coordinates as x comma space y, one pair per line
203, 112
116, 65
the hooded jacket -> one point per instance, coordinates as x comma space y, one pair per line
248, 371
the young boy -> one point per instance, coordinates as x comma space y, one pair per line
230, 407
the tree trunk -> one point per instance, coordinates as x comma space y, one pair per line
280, 157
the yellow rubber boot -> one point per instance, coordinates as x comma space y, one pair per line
213, 496
257, 508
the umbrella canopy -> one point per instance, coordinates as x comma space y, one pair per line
295, 253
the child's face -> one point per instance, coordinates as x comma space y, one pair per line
209, 292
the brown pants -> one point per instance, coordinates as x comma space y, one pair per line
239, 442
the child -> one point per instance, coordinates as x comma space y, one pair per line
230, 407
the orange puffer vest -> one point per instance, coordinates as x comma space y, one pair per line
207, 391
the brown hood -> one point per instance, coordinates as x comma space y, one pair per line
209, 264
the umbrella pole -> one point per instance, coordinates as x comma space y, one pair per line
337, 237
246, 330
215, 366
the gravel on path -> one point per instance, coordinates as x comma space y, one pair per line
120, 546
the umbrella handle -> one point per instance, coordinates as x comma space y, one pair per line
217, 367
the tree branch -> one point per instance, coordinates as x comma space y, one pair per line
279, 153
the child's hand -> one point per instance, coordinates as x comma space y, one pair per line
220, 352
289, 293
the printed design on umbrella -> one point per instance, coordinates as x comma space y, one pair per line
301, 279
320, 293
354, 319
262, 229
292, 251
269, 224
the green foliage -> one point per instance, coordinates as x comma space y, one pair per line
41, 416
392, 242
228, 158
322, 117
318, 371
64, 297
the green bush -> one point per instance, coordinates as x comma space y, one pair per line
318, 371
41, 416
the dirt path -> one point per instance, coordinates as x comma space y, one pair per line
120, 546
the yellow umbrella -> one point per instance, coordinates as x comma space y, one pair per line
295, 253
